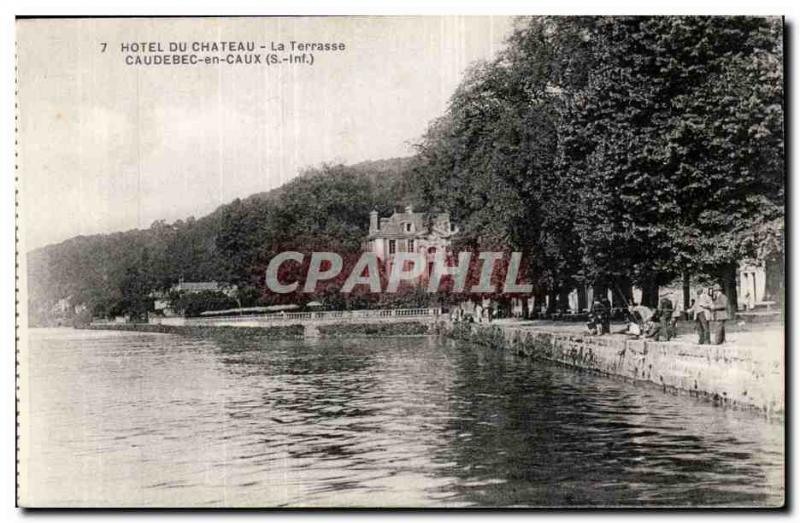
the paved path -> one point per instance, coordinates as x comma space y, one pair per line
770, 336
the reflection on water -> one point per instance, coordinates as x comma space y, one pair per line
161, 420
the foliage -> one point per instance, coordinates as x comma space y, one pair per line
115, 274
608, 150
625, 149
193, 303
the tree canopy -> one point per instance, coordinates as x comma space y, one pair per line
115, 274
610, 151
624, 149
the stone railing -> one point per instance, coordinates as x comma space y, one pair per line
301, 317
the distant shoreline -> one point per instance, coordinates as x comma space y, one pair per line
283, 332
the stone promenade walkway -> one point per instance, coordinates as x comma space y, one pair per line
768, 337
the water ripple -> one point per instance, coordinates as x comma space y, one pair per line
158, 420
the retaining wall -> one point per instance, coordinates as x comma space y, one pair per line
749, 377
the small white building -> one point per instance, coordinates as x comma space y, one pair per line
162, 304
752, 284
200, 286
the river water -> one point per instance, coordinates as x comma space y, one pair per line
121, 419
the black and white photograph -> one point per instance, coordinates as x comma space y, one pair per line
401, 262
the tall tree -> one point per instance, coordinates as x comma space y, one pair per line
677, 139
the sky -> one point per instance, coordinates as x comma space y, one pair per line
104, 146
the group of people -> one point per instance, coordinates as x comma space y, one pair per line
709, 311
480, 314
600, 317
659, 324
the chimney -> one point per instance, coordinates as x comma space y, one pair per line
409, 209
373, 221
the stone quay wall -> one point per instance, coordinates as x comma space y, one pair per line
742, 377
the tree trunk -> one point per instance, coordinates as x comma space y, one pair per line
687, 291
623, 293
504, 307
552, 303
599, 293
650, 293
728, 282
563, 300
539, 299
775, 282
582, 305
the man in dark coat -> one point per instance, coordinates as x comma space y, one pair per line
719, 313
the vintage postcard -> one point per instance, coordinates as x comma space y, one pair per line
411, 261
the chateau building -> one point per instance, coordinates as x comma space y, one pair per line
428, 233
409, 231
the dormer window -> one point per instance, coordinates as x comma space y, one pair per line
408, 227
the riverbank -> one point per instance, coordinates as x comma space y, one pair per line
748, 374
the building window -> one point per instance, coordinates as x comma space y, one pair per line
392, 246
410, 245
408, 227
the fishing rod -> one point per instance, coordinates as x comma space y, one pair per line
622, 295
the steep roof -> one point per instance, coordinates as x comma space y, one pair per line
394, 226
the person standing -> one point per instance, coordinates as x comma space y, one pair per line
749, 302
718, 316
677, 314
702, 314
605, 317
665, 318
